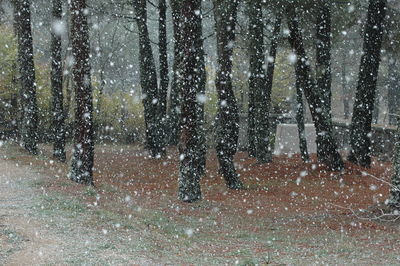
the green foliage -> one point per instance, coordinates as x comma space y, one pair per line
118, 116
8, 55
283, 84
43, 94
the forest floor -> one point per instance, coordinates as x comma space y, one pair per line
291, 212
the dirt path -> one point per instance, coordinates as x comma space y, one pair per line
27, 238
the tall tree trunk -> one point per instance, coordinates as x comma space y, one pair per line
200, 100
225, 13
364, 102
345, 92
320, 115
394, 200
323, 63
57, 86
83, 153
259, 109
270, 74
393, 90
164, 78
29, 125
375, 111
190, 172
148, 82
300, 117
174, 112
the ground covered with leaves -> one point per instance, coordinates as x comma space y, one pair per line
290, 212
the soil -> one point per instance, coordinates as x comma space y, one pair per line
291, 212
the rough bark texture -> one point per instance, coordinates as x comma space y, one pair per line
164, 78
300, 117
272, 56
319, 113
148, 82
227, 128
258, 131
58, 127
174, 112
394, 201
83, 153
393, 90
323, 62
270, 74
365, 95
345, 90
27, 76
190, 167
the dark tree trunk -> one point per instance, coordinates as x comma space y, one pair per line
375, 111
300, 117
227, 128
174, 112
164, 79
393, 90
270, 74
319, 113
200, 100
394, 201
148, 82
323, 62
345, 90
57, 87
83, 153
191, 81
365, 94
27, 76
260, 98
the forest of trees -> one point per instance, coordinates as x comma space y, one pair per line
198, 66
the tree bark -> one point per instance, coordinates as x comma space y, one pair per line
148, 82
323, 62
191, 81
175, 95
270, 74
345, 90
164, 78
394, 200
258, 131
57, 86
365, 94
320, 115
29, 125
393, 90
227, 128
300, 118
83, 153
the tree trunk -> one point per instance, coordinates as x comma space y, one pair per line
57, 86
260, 97
318, 110
323, 62
375, 111
148, 82
164, 79
83, 153
29, 125
393, 90
191, 81
345, 92
227, 128
270, 74
394, 201
364, 102
175, 95
300, 118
